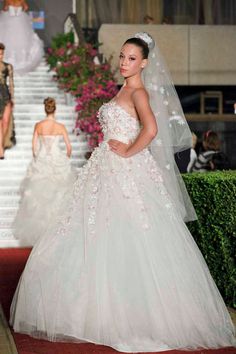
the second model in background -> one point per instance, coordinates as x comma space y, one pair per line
24, 49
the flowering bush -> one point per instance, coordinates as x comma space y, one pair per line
78, 71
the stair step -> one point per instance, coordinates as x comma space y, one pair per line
7, 239
38, 90
33, 94
22, 81
5, 223
41, 115
38, 100
21, 85
12, 201
10, 191
36, 108
9, 212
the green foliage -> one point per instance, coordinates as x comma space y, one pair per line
62, 39
214, 198
79, 71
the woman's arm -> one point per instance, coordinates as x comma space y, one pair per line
11, 82
67, 141
35, 140
148, 131
5, 5
25, 5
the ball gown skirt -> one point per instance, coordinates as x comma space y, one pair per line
48, 178
24, 50
119, 267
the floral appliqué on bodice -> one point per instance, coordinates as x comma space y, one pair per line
117, 124
105, 172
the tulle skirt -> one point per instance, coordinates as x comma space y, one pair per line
24, 50
42, 190
120, 268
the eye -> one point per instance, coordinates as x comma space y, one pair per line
132, 58
121, 56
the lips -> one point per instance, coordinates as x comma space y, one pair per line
123, 70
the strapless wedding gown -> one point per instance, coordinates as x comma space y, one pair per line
24, 50
48, 178
120, 267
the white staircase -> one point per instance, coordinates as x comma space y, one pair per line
30, 91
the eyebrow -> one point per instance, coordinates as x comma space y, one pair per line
131, 55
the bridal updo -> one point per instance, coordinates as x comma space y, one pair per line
144, 41
49, 105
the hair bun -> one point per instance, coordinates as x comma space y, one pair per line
147, 38
50, 105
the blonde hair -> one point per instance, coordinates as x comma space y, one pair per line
194, 140
49, 105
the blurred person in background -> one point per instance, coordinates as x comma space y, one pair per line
193, 154
6, 98
24, 49
211, 158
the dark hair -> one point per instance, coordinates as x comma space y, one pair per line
211, 140
2, 46
49, 105
139, 43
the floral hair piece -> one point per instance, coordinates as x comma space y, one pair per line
146, 38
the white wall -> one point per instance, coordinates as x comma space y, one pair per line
195, 54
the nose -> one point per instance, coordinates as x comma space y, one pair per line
124, 62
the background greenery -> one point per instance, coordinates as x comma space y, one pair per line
214, 198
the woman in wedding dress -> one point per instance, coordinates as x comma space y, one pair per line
24, 49
119, 267
6, 98
48, 178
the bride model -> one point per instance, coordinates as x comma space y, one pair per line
24, 49
120, 267
6, 98
48, 178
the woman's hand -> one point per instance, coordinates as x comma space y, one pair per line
118, 147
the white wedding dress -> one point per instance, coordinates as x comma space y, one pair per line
48, 178
120, 267
24, 50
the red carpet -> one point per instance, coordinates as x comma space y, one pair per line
12, 262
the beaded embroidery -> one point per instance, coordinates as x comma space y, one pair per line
113, 170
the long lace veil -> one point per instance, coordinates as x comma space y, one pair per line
174, 134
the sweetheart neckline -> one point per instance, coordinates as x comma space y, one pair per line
123, 109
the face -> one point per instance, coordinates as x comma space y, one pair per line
131, 60
1, 54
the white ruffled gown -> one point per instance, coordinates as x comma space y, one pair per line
120, 267
24, 49
48, 178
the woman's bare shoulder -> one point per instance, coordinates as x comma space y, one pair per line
140, 92
140, 96
60, 126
